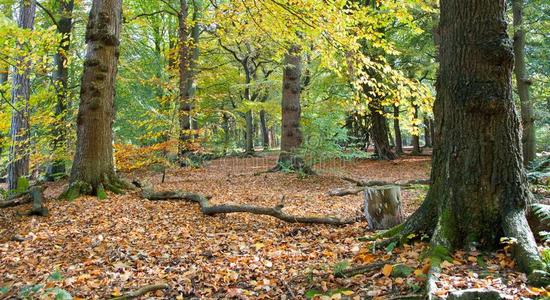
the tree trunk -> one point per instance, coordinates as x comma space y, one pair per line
61, 80
479, 189
93, 166
427, 132
18, 164
3, 79
379, 131
291, 134
185, 81
265, 133
397, 129
195, 34
416, 137
523, 82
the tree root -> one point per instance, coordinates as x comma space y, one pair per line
381, 182
210, 210
109, 183
362, 269
142, 291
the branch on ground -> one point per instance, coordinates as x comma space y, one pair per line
340, 192
142, 291
208, 209
362, 269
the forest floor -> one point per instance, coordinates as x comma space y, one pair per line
97, 249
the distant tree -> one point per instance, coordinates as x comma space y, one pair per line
479, 190
19, 157
523, 83
291, 134
93, 168
397, 130
64, 26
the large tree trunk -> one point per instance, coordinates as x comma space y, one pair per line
291, 134
185, 81
379, 131
19, 157
479, 189
93, 166
61, 79
523, 82
397, 129
416, 137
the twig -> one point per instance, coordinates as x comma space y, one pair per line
361, 269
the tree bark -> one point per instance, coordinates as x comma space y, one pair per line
397, 129
291, 134
93, 166
185, 81
379, 131
263, 126
479, 189
61, 81
416, 137
18, 164
523, 82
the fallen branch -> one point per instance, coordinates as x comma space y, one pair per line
362, 269
340, 192
210, 210
142, 291
22, 199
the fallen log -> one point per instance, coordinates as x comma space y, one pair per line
142, 291
208, 209
23, 199
382, 182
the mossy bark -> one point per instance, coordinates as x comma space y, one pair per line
93, 165
479, 190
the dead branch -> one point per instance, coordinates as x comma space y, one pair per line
22, 199
340, 192
362, 269
210, 210
142, 291
381, 182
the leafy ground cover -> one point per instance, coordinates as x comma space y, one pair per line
97, 249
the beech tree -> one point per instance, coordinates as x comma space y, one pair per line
18, 165
93, 168
522, 84
479, 190
291, 135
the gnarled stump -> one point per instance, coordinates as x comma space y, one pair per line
383, 207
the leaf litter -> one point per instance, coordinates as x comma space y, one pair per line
97, 249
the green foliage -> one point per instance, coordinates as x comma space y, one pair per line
340, 267
542, 212
401, 270
22, 185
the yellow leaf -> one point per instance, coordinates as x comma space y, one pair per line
386, 270
347, 293
116, 292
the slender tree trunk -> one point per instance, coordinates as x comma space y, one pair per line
195, 34
416, 137
291, 134
93, 166
265, 133
479, 189
523, 82
432, 131
427, 132
185, 81
379, 131
3, 79
249, 133
61, 79
18, 164
397, 129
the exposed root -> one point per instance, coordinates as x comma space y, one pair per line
381, 182
142, 291
209, 209
362, 269
109, 183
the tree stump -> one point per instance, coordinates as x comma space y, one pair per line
383, 207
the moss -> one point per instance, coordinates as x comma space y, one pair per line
448, 223
101, 194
